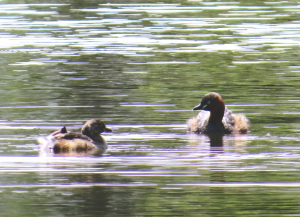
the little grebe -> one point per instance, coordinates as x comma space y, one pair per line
88, 141
216, 118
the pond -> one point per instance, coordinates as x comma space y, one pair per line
141, 66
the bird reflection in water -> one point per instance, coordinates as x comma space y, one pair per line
216, 142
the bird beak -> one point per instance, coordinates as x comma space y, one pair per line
108, 130
197, 107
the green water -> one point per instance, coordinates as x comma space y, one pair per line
141, 67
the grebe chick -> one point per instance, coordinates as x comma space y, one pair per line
216, 118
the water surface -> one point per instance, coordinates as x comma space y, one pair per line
141, 67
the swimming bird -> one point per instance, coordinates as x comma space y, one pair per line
216, 118
88, 141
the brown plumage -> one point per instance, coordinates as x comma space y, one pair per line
216, 118
88, 141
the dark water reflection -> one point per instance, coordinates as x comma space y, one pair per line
141, 67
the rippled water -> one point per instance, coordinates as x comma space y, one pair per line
141, 67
